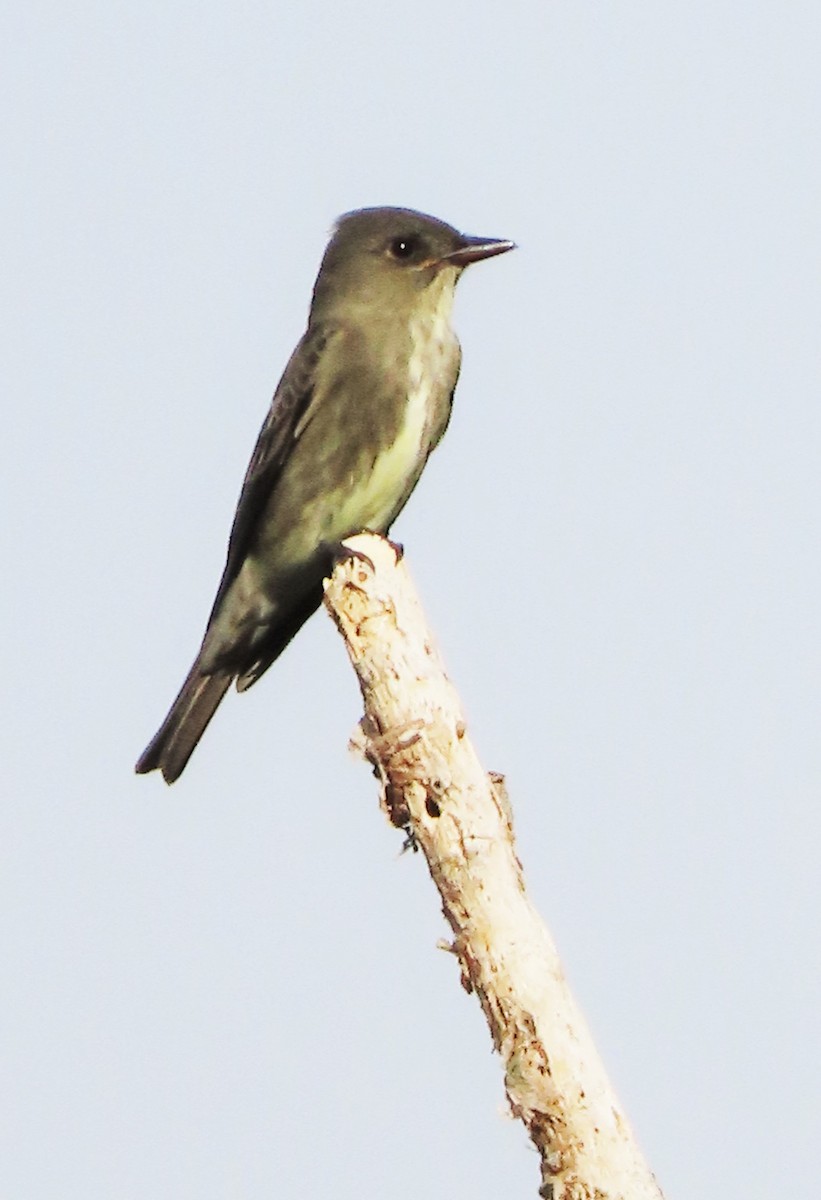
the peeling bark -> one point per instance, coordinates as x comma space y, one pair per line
434, 787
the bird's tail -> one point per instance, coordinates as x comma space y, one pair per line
175, 740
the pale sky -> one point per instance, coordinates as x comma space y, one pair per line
232, 988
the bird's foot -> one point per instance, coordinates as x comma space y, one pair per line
340, 552
398, 549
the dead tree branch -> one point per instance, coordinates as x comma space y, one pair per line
434, 786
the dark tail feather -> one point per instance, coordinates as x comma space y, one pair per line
175, 740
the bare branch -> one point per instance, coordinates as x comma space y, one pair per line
433, 784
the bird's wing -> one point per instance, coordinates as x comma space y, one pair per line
291, 409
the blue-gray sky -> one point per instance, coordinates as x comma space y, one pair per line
232, 988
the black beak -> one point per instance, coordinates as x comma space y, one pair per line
474, 249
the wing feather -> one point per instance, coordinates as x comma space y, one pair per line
287, 417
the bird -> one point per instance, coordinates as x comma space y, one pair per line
365, 398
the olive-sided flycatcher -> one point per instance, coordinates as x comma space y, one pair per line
364, 399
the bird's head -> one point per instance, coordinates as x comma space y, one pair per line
383, 258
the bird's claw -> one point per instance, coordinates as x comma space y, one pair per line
340, 552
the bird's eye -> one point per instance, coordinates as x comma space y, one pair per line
403, 247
